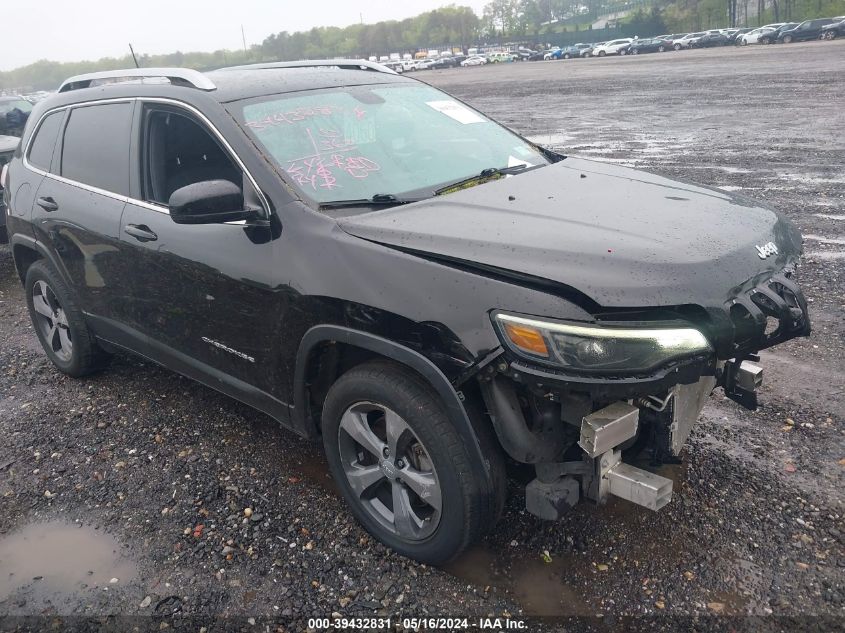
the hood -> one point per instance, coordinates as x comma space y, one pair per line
622, 237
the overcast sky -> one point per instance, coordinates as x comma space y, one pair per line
71, 30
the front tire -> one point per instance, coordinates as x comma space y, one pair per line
787, 39
677, 47
59, 323
602, 53
402, 467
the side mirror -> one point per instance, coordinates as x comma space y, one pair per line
208, 202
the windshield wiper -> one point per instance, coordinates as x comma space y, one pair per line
380, 199
486, 175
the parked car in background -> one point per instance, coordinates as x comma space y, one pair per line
711, 39
538, 56
474, 60
755, 36
687, 41
807, 30
395, 66
8, 144
574, 51
425, 64
499, 58
14, 112
444, 62
589, 52
613, 47
832, 31
554, 53
737, 34
652, 45
772, 38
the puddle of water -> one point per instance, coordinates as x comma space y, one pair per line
551, 140
836, 255
538, 587
315, 469
733, 170
60, 558
824, 240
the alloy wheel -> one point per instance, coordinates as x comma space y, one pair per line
52, 320
390, 471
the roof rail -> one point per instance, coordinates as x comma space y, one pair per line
177, 76
346, 64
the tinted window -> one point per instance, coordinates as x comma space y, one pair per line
96, 146
41, 148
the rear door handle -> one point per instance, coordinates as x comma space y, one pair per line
140, 232
46, 203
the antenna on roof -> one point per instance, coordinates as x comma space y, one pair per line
132, 50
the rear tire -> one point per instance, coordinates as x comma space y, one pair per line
661, 49
388, 440
677, 47
787, 39
60, 324
602, 53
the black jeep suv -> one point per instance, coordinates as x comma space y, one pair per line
374, 263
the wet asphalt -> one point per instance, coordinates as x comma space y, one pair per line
125, 493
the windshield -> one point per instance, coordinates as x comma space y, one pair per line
358, 142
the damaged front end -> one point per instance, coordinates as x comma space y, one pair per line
574, 399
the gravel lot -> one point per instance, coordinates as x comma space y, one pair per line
137, 492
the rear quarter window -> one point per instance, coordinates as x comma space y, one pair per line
42, 146
95, 150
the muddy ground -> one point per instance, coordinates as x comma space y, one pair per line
124, 493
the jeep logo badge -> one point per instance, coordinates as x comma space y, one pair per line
767, 249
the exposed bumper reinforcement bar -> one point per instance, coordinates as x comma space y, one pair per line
639, 486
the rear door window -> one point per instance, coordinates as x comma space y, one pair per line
95, 150
42, 146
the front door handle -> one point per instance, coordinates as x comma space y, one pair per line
140, 232
47, 203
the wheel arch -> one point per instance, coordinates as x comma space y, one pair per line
26, 251
368, 346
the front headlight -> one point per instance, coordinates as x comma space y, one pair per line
591, 348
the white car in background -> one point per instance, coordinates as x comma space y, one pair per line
474, 60
687, 41
753, 37
613, 47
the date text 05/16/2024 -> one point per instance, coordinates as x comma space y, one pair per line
427, 623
